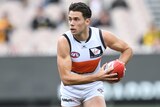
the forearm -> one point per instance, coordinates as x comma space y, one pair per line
126, 55
76, 79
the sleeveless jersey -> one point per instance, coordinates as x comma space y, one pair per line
86, 56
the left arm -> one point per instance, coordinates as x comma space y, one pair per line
119, 45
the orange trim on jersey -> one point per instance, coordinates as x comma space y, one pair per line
85, 67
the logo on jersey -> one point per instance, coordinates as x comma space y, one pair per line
100, 90
75, 54
95, 52
67, 100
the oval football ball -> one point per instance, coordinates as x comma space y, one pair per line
118, 67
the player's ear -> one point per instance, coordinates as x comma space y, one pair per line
88, 21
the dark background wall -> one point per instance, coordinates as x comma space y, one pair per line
36, 78
140, 67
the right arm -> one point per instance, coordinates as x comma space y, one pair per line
64, 64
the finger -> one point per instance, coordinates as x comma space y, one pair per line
109, 70
114, 75
105, 66
111, 75
112, 79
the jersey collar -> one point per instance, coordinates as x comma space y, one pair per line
90, 33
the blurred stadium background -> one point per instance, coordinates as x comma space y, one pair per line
28, 34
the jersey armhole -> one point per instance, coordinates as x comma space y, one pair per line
101, 37
68, 41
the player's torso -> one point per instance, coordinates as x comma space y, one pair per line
86, 55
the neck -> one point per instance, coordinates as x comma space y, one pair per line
83, 36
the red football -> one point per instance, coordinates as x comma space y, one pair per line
118, 67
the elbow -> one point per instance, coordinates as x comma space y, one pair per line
128, 50
66, 81
127, 54
131, 52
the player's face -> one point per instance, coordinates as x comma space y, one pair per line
77, 22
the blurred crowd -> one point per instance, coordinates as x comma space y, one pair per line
31, 27
151, 39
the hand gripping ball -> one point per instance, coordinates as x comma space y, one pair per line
118, 67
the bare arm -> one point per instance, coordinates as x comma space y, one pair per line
64, 67
118, 45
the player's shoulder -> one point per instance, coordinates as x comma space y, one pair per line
64, 40
61, 39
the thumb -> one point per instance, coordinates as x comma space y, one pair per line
110, 69
107, 68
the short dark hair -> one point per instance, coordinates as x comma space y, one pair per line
81, 7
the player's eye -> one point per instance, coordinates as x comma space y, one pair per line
69, 19
76, 19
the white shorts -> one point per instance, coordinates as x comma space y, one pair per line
77, 94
